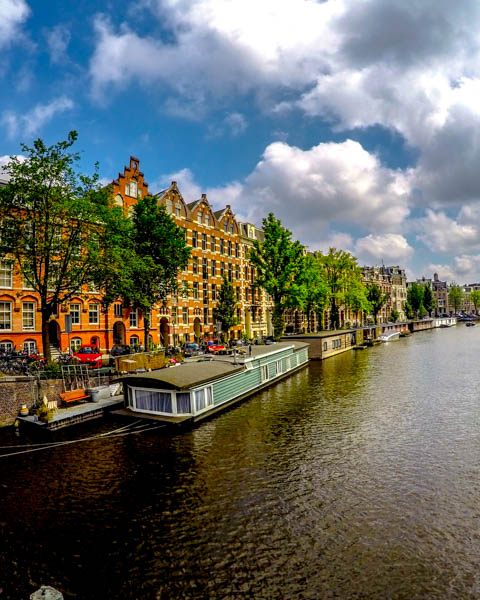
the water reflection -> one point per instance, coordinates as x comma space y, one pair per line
356, 478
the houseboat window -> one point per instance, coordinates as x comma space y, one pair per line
154, 401
183, 402
199, 400
325, 346
264, 372
208, 396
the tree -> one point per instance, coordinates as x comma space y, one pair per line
428, 299
356, 299
278, 262
475, 299
377, 299
315, 290
340, 272
52, 225
408, 310
415, 298
455, 296
225, 311
158, 253
394, 315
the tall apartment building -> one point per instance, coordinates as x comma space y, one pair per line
392, 281
257, 304
216, 251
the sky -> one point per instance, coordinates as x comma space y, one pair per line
356, 122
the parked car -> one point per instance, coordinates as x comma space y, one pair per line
89, 355
213, 346
191, 349
120, 349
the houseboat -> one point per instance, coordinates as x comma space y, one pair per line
201, 387
389, 336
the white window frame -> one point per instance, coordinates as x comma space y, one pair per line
6, 274
76, 313
5, 309
95, 313
6, 346
75, 344
133, 318
30, 346
118, 310
28, 312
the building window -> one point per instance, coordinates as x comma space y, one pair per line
212, 243
207, 219
194, 239
194, 265
117, 310
5, 315
134, 341
205, 316
200, 217
214, 268
195, 290
174, 315
237, 250
222, 269
237, 272
28, 315
6, 270
75, 344
30, 346
204, 268
185, 315
93, 312
134, 318
222, 246
169, 206
205, 292
6, 346
230, 272
178, 210
239, 294
229, 246
239, 314
214, 292
75, 313
225, 226
204, 241
232, 228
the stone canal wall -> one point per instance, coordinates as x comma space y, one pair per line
15, 391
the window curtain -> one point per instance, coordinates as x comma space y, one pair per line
183, 402
199, 399
154, 401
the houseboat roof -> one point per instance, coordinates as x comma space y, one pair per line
183, 377
195, 372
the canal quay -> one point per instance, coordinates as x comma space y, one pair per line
357, 477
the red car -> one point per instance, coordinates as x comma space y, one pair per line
213, 346
89, 355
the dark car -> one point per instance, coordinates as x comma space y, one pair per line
120, 349
191, 349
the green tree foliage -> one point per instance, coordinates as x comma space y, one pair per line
158, 252
377, 299
52, 225
226, 308
341, 273
475, 299
415, 298
408, 310
356, 299
314, 297
278, 262
455, 296
394, 315
428, 299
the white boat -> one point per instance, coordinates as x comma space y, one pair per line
389, 336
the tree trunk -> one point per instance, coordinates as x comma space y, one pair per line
277, 322
146, 329
334, 316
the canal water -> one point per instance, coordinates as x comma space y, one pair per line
358, 477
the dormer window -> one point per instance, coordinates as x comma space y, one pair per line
225, 226
169, 206
178, 210
231, 228
207, 219
200, 217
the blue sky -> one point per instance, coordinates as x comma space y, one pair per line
357, 123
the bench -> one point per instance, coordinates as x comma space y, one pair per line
73, 395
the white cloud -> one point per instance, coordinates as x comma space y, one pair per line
58, 39
444, 234
388, 248
13, 13
464, 269
32, 121
4, 160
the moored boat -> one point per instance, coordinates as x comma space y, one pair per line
199, 388
389, 337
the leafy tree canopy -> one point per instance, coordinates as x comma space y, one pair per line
225, 311
377, 299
